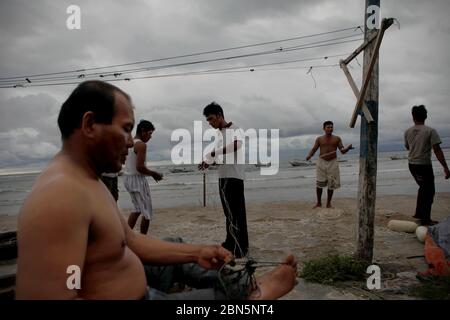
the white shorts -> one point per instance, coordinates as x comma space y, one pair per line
328, 174
139, 190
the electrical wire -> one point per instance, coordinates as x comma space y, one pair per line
116, 73
159, 76
181, 56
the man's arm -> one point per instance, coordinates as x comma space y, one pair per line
406, 142
159, 252
440, 156
341, 147
232, 147
313, 150
141, 151
52, 235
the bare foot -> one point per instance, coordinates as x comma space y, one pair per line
276, 283
329, 206
318, 205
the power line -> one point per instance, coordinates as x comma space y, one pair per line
179, 56
249, 68
187, 74
116, 73
289, 49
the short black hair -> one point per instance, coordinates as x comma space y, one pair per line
419, 113
327, 123
144, 125
213, 108
96, 96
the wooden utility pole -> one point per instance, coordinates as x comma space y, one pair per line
368, 145
367, 107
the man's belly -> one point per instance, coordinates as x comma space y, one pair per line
328, 157
117, 280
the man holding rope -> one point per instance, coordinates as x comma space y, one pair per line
231, 178
327, 166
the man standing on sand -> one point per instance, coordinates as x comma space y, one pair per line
135, 180
327, 166
231, 178
111, 181
70, 220
419, 140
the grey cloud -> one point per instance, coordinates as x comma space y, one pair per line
236, 11
28, 129
24, 145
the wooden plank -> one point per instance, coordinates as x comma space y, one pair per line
359, 49
368, 74
355, 90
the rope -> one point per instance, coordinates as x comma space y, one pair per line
238, 282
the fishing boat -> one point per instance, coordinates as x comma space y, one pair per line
259, 164
399, 157
301, 163
180, 170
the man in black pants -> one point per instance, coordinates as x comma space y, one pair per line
111, 182
419, 140
228, 154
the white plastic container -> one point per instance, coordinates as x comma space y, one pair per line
421, 233
402, 226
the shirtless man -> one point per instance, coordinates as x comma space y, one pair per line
327, 166
71, 219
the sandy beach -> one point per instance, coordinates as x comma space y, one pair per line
277, 228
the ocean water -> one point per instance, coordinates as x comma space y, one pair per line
291, 183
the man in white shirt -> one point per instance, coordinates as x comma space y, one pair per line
419, 140
228, 154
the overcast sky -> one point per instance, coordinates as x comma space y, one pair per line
34, 39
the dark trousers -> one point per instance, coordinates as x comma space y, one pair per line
233, 202
205, 284
162, 279
424, 176
112, 185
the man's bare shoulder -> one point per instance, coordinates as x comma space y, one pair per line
140, 145
55, 195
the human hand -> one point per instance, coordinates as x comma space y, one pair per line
203, 166
157, 176
208, 158
350, 147
447, 173
213, 257
308, 157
